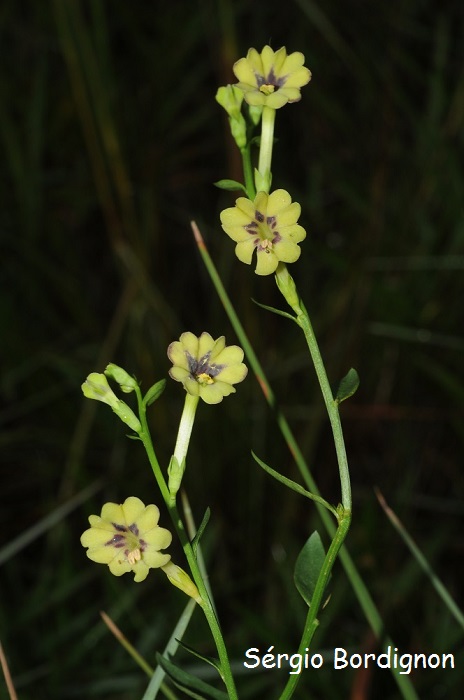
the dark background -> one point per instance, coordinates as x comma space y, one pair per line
111, 140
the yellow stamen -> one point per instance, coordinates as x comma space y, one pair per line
204, 378
134, 556
267, 89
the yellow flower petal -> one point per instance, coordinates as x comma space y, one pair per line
287, 251
218, 349
158, 538
296, 233
155, 559
267, 262
132, 508
280, 61
257, 99
141, 569
277, 200
243, 70
102, 555
112, 512
233, 374
96, 521
292, 64
298, 79
176, 353
230, 355
148, 519
244, 251
95, 537
178, 373
190, 343
205, 344
289, 215
119, 566
267, 60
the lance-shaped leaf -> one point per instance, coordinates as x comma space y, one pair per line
294, 486
348, 386
154, 392
201, 529
208, 659
230, 185
308, 566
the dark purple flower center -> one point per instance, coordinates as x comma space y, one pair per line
126, 536
264, 228
203, 369
270, 79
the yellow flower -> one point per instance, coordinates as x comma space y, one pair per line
271, 78
206, 367
127, 538
267, 225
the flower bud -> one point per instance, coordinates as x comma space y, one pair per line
121, 377
231, 98
179, 578
96, 387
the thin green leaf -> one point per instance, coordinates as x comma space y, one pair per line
208, 659
294, 486
230, 185
154, 392
192, 686
347, 386
308, 566
203, 524
275, 311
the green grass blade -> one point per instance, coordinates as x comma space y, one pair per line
171, 648
46, 523
422, 561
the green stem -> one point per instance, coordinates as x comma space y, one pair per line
287, 287
248, 172
145, 437
207, 606
312, 622
362, 593
263, 177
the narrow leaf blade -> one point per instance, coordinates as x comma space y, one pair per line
230, 185
192, 686
154, 392
273, 310
208, 659
201, 529
293, 485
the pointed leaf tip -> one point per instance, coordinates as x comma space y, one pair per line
348, 386
230, 185
308, 566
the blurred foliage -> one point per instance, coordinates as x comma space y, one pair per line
111, 139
